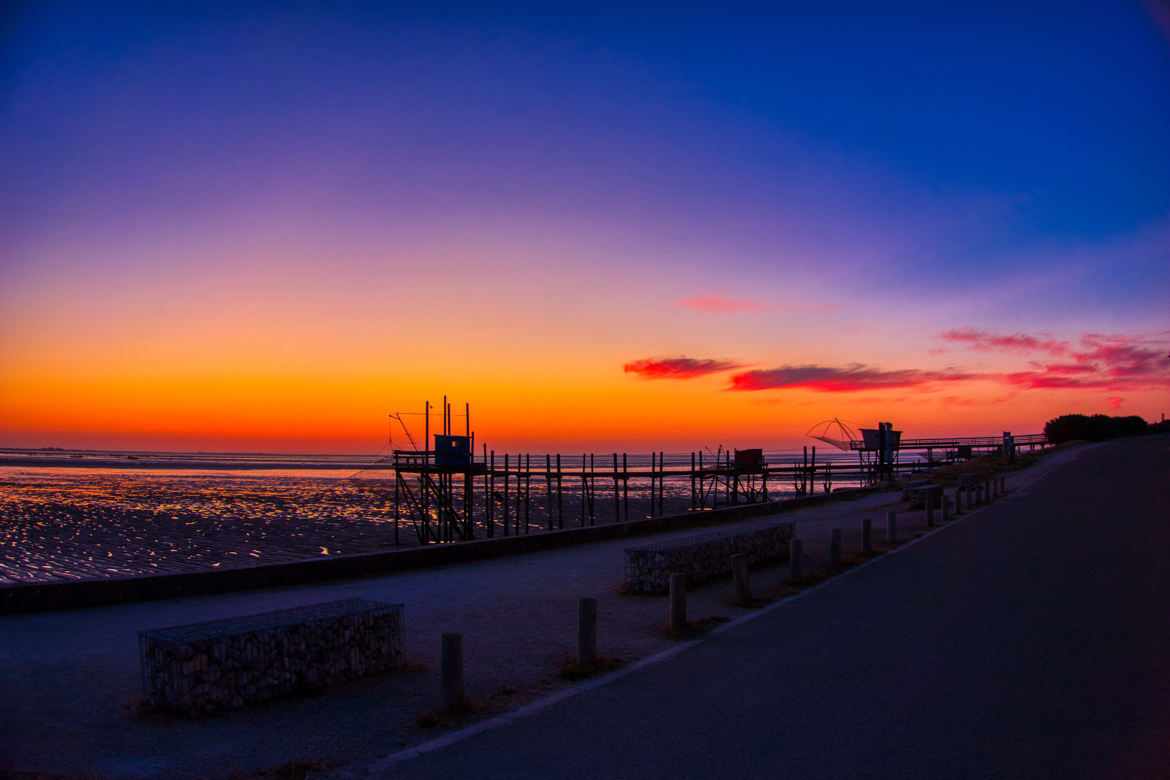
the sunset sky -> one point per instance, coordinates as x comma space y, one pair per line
255, 226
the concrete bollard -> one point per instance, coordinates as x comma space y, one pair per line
946, 509
586, 632
678, 602
891, 528
1003, 486
796, 560
930, 511
835, 549
452, 673
959, 500
867, 535
743, 589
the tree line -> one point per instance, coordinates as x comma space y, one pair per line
1098, 427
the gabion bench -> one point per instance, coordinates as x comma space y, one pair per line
648, 567
202, 668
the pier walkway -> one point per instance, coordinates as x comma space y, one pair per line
72, 686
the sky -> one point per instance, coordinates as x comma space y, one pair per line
605, 226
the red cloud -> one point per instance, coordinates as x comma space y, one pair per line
840, 380
1018, 342
1105, 362
676, 368
718, 303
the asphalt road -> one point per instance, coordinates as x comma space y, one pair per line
1028, 639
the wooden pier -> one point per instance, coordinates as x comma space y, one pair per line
445, 494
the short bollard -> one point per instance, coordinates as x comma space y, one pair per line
930, 511
452, 673
1002, 485
946, 509
586, 632
959, 500
891, 528
796, 560
995, 488
835, 548
866, 535
678, 602
743, 589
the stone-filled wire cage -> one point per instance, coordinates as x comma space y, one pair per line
201, 668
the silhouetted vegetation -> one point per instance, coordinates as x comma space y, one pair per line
1080, 427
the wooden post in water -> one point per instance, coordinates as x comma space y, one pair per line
548, 489
661, 484
491, 495
584, 487
678, 602
560, 497
586, 632
451, 664
625, 488
692, 481
617, 498
505, 509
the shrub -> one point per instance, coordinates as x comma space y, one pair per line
1099, 427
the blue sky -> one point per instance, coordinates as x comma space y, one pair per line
855, 179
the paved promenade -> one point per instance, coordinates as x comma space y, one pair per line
72, 687
1030, 639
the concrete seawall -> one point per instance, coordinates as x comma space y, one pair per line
39, 597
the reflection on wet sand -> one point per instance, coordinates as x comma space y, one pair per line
67, 524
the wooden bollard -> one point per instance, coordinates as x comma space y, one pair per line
452, 673
743, 589
835, 548
586, 632
796, 560
866, 535
891, 528
678, 602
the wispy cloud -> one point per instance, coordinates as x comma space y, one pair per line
985, 341
677, 368
846, 379
717, 303
1105, 362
